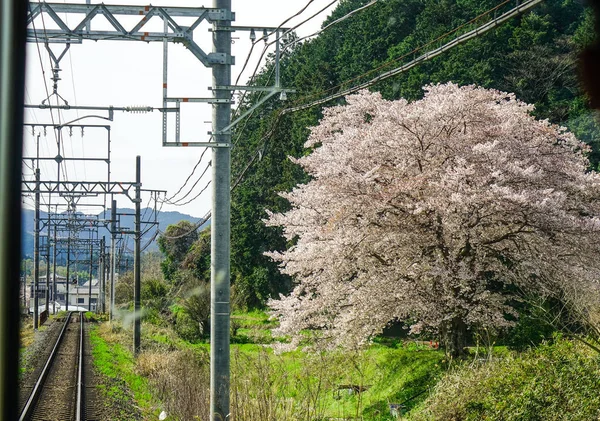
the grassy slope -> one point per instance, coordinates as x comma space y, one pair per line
560, 381
293, 385
553, 382
116, 364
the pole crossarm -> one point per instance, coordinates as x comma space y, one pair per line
75, 223
76, 33
79, 187
78, 241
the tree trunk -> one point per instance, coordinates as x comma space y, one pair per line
454, 337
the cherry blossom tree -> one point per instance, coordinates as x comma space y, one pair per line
436, 212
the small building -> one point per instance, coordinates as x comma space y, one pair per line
79, 295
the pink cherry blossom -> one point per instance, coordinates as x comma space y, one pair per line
427, 211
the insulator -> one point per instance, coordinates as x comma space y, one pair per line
70, 131
138, 109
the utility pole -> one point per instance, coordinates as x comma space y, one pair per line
12, 69
68, 268
36, 250
91, 269
113, 260
54, 275
102, 273
48, 264
136, 263
220, 223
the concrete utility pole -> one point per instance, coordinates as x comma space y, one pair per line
220, 223
102, 273
91, 269
48, 264
68, 269
36, 251
113, 260
136, 264
54, 275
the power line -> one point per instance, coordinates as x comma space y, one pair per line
329, 25
195, 197
341, 19
197, 225
427, 56
58, 143
267, 45
424, 57
270, 33
177, 202
170, 199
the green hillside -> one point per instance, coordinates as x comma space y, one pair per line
533, 55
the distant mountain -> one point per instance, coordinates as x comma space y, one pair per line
164, 219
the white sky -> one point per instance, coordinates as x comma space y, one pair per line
125, 73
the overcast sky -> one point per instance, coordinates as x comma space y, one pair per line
125, 73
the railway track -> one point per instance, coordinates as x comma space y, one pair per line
59, 392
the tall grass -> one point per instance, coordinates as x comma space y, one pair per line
559, 381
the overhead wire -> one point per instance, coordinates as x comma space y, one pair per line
268, 44
476, 32
75, 97
58, 141
329, 25
170, 199
39, 53
178, 201
261, 142
298, 13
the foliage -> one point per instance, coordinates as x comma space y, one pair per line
197, 258
513, 57
431, 211
197, 306
289, 386
552, 382
181, 380
184, 325
174, 244
124, 289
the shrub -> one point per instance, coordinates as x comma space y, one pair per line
553, 382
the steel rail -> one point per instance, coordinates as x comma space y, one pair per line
35, 393
80, 414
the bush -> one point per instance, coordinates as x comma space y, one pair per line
553, 382
184, 325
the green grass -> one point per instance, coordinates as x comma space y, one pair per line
558, 381
117, 363
391, 375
